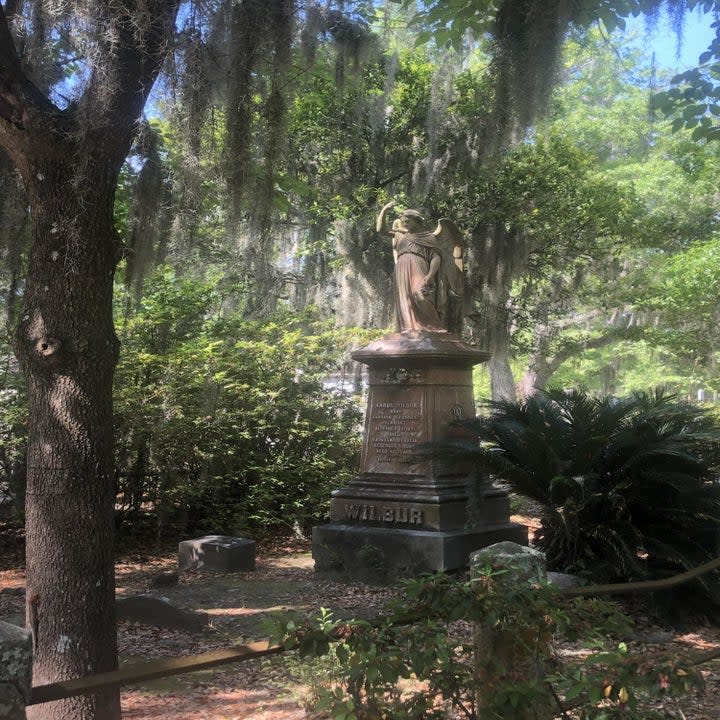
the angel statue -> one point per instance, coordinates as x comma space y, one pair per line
429, 275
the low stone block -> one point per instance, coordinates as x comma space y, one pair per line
15, 671
381, 555
507, 652
217, 552
526, 564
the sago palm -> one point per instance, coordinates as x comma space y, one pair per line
625, 484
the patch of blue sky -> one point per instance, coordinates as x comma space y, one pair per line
672, 53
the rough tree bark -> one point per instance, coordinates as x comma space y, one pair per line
68, 349
69, 161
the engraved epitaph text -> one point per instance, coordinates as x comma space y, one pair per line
380, 513
396, 426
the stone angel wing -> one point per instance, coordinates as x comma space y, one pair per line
451, 244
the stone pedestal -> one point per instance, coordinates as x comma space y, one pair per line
401, 515
518, 652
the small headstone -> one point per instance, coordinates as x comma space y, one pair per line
217, 552
159, 612
504, 653
525, 564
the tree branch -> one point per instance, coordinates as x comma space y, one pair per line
642, 585
20, 99
594, 343
133, 50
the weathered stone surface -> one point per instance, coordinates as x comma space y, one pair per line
382, 555
15, 671
505, 654
373, 504
526, 565
217, 552
419, 384
429, 280
412, 511
159, 612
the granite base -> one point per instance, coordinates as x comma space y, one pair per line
381, 555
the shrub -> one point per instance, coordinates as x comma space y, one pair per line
13, 442
227, 419
418, 661
625, 485
13, 433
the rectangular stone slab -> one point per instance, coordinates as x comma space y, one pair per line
375, 554
217, 552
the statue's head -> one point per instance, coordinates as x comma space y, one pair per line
412, 220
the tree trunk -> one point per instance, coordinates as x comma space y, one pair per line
490, 331
492, 265
69, 160
502, 382
68, 349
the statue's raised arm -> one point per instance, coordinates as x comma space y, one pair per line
382, 224
429, 275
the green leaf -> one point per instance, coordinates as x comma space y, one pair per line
678, 124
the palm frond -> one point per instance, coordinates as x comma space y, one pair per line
615, 477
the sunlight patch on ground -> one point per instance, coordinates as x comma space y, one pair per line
300, 560
223, 611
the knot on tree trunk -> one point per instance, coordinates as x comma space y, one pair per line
47, 349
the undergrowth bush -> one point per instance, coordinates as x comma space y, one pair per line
418, 661
13, 435
225, 422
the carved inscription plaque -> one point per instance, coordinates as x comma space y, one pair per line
396, 426
383, 513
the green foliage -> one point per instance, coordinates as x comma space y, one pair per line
345, 143
446, 22
626, 485
682, 291
418, 660
595, 315
566, 218
693, 100
227, 419
627, 366
13, 433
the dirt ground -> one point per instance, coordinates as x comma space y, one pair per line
236, 604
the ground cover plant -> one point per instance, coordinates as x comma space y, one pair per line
421, 659
281, 688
